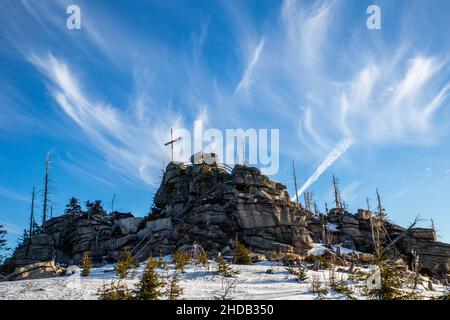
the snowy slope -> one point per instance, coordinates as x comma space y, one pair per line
252, 282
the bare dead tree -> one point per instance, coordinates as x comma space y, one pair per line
415, 267
309, 201
377, 225
227, 289
327, 236
375, 233
48, 189
380, 210
46, 182
316, 208
306, 200
31, 232
434, 229
337, 193
295, 182
113, 202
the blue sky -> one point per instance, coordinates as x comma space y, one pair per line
371, 106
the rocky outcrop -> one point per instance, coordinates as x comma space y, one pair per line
354, 231
212, 206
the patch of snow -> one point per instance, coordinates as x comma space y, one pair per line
332, 227
345, 250
318, 249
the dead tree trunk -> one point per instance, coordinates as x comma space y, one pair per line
32, 214
337, 196
47, 168
295, 183
380, 207
415, 267
375, 244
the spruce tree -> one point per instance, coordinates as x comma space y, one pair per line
222, 267
241, 254
73, 208
95, 207
202, 258
125, 264
86, 265
150, 285
3, 244
114, 291
181, 260
24, 238
174, 291
391, 282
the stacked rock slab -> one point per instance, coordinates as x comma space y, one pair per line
211, 207
38, 270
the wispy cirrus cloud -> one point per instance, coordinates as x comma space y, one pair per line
11, 228
129, 142
389, 98
4, 192
300, 70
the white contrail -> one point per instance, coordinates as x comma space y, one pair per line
338, 151
246, 78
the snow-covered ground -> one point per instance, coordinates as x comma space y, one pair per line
251, 282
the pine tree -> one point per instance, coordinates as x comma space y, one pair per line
174, 291
87, 265
150, 285
3, 244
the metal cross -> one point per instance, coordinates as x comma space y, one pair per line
172, 141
